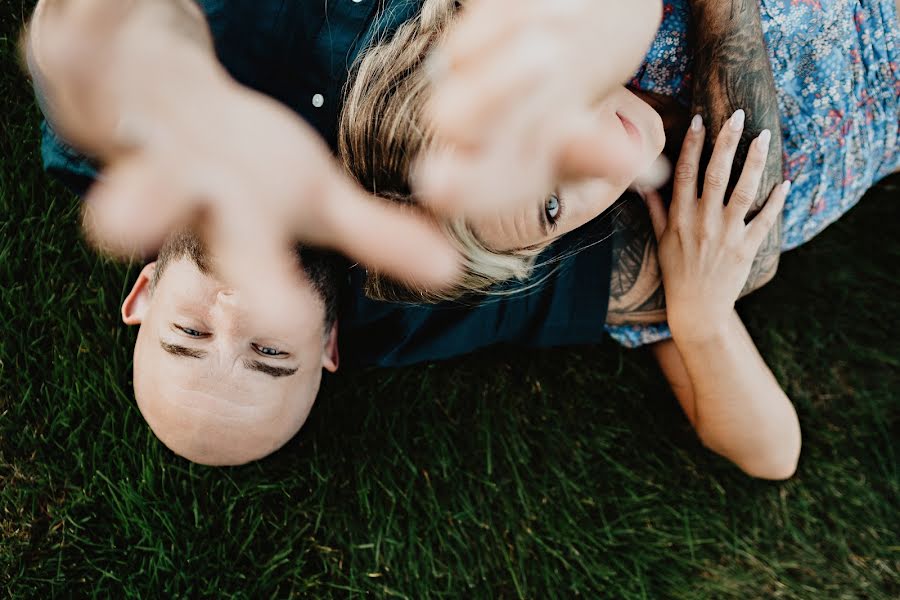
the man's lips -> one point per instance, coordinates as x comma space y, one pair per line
632, 131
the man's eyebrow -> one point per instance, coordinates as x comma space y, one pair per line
182, 350
255, 365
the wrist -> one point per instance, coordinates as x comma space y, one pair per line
697, 326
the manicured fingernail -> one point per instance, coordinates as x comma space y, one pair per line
696, 123
764, 137
786, 187
737, 120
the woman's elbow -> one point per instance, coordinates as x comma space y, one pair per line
776, 466
775, 460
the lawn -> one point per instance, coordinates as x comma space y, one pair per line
514, 474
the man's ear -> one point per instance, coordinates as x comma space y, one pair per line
330, 355
138, 301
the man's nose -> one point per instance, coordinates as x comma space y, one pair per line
228, 307
228, 298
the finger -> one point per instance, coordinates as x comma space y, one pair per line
763, 222
468, 107
130, 210
687, 169
398, 241
455, 185
718, 171
505, 168
254, 256
482, 28
658, 215
448, 182
744, 194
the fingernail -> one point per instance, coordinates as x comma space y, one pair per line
786, 187
737, 120
764, 138
696, 123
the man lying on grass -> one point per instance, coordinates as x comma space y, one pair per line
221, 381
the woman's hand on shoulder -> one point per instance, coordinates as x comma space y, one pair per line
706, 248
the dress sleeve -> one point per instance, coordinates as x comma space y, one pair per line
635, 336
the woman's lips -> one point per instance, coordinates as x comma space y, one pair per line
632, 131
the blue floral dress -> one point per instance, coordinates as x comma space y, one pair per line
837, 73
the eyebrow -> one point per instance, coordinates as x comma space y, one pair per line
253, 365
182, 350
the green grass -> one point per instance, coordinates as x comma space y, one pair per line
510, 474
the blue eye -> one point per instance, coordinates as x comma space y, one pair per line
551, 208
268, 350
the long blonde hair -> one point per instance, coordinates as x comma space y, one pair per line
383, 128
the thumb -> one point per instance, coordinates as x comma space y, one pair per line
130, 210
399, 241
658, 215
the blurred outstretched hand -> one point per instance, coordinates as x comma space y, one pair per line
514, 85
137, 86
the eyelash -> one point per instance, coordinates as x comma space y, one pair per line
553, 222
256, 347
259, 350
190, 332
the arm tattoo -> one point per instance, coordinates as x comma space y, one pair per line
765, 264
636, 293
731, 71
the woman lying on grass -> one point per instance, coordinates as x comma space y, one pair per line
827, 90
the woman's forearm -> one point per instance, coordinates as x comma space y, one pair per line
735, 403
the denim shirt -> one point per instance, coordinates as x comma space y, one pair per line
300, 53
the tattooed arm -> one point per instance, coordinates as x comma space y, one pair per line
731, 71
636, 293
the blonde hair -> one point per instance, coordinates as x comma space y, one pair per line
384, 127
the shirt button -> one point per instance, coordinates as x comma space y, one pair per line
318, 100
